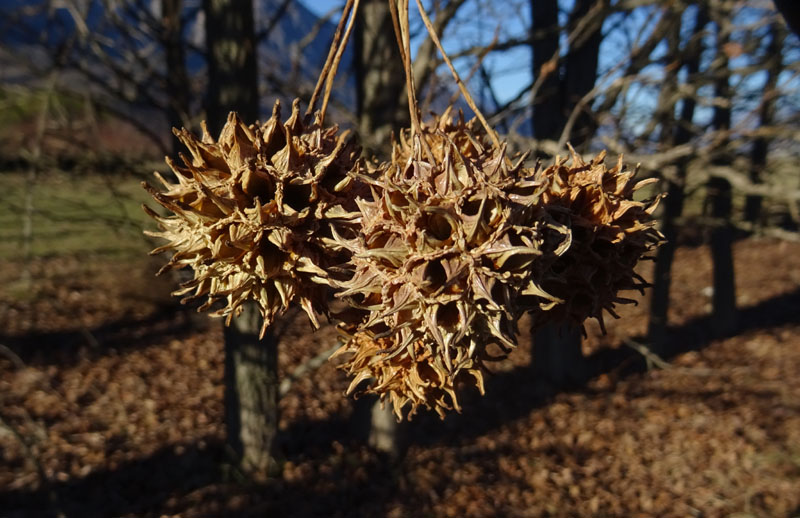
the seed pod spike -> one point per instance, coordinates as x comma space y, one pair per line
243, 215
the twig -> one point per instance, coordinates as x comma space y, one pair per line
12, 356
650, 357
479, 65
302, 369
653, 359
337, 58
402, 31
28, 447
31, 456
31, 177
400, 21
467, 96
329, 59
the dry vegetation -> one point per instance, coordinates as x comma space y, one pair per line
118, 404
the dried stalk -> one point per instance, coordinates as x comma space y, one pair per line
401, 30
467, 96
337, 59
329, 59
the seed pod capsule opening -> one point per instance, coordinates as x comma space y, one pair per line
448, 241
253, 214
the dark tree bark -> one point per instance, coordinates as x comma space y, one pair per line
791, 13
231, 54
673, 203
380, 80
380, 87
251, 392
251, 367
177, 78
766, 113
719, 197
557, 354
548, 118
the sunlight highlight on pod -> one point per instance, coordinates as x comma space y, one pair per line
251, 210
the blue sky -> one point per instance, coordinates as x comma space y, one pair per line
510, 71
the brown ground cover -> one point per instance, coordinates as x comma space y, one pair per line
111, 405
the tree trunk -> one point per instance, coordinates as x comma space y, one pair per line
723, 318
380, 80
380, 87
557, 354
231, 54
177, 78
766, 113
251, 392
558, 357
673, 203
790, 12
723, 299
548, 118
251, 366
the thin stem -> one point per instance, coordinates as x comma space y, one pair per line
336, 60
329, 59
400, 21
467, 97
397, 30
481, 56
401, 28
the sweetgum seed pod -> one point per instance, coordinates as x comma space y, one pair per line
448, 241
611, 233
252, 214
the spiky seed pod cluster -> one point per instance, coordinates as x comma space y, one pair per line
447, 243
251, 210
466, 136
610, 231
408, 377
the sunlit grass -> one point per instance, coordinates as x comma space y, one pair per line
73, 213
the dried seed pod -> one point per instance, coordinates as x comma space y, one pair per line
467, 136
610, 230
252, 213
405, 378
447, 243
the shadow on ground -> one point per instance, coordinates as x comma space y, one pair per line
351, 481
67, 347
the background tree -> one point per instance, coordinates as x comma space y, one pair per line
773, 65
676, 133
177, 81
381, 112
559, 101
251, 365
380, 80
720, 194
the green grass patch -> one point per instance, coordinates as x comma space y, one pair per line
73, 214
21, 105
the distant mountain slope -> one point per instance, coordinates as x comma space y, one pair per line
298, 45
293, 52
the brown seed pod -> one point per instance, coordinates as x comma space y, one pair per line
252, 214
447, 243
405, 378
610, 230
467, 137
